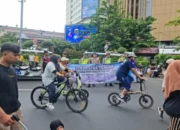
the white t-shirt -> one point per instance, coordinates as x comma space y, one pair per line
31, 57
48, 75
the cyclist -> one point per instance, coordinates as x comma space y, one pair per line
124, 77
50, 73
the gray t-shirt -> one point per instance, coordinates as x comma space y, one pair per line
48, 76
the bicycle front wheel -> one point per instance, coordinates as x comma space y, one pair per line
76, 101
40, 97
146, 101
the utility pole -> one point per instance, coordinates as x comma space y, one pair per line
21, 22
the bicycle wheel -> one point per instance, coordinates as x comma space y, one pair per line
146, 101
42, 97
76, 99
85, 92
113, 100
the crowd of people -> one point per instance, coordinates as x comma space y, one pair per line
55, 66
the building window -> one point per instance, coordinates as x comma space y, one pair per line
132, 8
137, 9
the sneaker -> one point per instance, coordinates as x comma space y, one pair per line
161, 112
50, 106
121, 99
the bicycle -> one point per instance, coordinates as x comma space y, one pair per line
79, 85
113, 97
72, 94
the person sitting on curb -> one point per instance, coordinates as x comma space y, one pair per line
56, 125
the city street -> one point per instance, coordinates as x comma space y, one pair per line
99, 115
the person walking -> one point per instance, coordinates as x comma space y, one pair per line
9, 98
94, 60
107, 60
168, 62
172, 94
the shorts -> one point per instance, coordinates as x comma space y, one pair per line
126, 81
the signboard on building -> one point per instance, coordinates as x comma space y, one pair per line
89, 8
153, 50
168, 51
77, 32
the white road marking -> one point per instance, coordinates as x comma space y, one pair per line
25, 90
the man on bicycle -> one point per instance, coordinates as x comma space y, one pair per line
51, 72
124, 77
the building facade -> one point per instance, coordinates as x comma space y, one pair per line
73, 11
32, 34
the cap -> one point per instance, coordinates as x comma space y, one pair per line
55, 124
131, 54
64, 59
10, 47
169, 61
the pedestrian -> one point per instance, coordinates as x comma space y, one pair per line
9, 102
94, 60
107, 60
168, 62
44, 61
56, 125
172, 94
31, 60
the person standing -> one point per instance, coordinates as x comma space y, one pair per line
9, 102
84, 60
36, 60
44, 61
94, 60
121, 59
107, 60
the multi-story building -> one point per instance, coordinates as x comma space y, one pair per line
73, 11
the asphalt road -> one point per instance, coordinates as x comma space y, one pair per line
100, 115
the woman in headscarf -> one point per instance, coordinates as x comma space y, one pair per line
168, 62
172, 94
49, 76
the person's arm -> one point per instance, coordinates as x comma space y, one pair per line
133, 69
52, 68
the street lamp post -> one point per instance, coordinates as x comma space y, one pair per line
21, 22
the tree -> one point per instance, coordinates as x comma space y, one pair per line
175, 22
9, 37
122, 31
86, 44
121, 50
27, 44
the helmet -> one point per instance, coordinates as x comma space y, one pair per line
131, 54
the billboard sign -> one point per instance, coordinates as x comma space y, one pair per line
77, 32
89, 8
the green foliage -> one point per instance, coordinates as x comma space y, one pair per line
175, 22
26, 55
9, 38
86, 45
161, 58
74, 61
142, 61
121, 50
27, 44
73, 53
121, 30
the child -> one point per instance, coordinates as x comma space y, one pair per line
161, 110
56, 125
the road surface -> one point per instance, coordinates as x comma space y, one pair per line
100, 115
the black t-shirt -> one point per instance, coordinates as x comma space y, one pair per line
8, 90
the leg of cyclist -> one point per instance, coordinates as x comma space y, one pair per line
126, 83
52, 91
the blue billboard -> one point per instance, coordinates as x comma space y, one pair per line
77, 32
89, 8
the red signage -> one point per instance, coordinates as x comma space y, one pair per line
153, 50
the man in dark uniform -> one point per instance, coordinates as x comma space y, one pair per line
9, 103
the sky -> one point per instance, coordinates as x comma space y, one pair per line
48, 15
